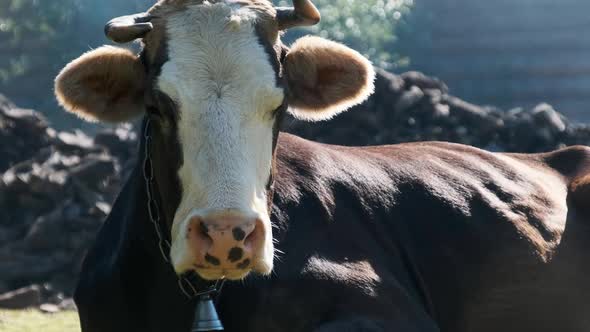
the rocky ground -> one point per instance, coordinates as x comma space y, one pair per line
414, 107
56, 188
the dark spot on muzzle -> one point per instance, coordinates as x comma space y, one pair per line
239, 234
235, 254
212, 260
204, 228
244, 264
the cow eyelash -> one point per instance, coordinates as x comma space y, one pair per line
153, 112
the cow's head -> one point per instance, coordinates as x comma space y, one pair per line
215, 79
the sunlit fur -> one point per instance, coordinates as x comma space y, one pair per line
88, 85
326, 78
224, 85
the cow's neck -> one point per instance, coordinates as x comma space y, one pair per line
153, 280
146, 275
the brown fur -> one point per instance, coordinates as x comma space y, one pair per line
105, 84
326, 78
574, 163
580, 193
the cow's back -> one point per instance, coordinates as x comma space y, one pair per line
487, 241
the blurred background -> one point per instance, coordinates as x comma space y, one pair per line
507, 53
503, 75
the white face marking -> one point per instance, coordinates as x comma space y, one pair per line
221, 78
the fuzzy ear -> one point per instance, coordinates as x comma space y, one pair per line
106, 84
326, 78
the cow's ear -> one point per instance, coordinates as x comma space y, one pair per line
325, 78
106, 84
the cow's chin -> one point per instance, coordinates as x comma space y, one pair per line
259, 267
262, 266
211, 274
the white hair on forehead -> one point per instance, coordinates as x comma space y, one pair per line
224, 84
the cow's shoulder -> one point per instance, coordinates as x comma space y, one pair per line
433, 185
443, 170
574, 163
570, 162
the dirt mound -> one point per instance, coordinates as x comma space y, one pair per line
414, 107
55, 190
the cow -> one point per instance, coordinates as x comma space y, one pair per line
427, 236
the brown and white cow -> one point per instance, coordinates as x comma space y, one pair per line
217, 79
412, 237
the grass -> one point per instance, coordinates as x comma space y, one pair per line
35, 321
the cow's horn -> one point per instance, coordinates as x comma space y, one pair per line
127, 28
304, 13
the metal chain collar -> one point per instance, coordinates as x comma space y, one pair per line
154, 215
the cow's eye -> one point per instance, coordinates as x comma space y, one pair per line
279, 110
152, 110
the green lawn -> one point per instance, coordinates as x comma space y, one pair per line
35, 321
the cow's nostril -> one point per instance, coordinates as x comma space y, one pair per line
203, 228
255, 236
238, 233
212, 260
199, 231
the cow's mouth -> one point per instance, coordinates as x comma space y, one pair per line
218, 274
258, 267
